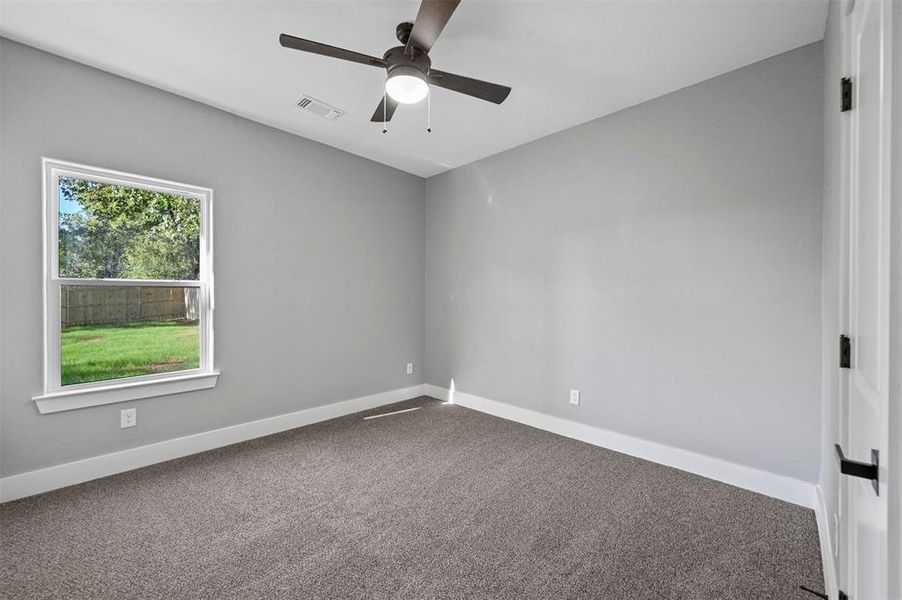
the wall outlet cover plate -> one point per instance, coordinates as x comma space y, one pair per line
128, 417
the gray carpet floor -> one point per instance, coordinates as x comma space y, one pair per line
438, 502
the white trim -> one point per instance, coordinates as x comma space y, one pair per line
129, 282
392, 413
775, 485
823, 531
128, 389
55, 396
44, 480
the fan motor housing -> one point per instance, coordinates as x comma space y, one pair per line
397, 57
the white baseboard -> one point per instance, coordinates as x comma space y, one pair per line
775, 485
831, 583
51, 478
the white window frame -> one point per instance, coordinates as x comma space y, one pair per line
57, 397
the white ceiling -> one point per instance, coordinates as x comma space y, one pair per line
567, 62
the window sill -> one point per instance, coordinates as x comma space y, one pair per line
82, 398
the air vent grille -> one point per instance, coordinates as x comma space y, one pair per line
319, 108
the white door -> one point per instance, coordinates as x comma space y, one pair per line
865, 420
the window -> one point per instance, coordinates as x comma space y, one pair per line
128, 287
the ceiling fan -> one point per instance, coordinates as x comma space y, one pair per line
409, 68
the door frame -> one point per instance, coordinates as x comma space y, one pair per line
894, 470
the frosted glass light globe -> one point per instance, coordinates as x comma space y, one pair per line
406, 88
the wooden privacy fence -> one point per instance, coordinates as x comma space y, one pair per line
89, 305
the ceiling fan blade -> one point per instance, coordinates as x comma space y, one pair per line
384, 113
483, 90
296, 43
431, 20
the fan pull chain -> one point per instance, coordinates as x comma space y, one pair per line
384, 108
429, 112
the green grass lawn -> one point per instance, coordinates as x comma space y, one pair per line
111, 351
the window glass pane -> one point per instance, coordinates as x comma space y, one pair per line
119, 232
110, 332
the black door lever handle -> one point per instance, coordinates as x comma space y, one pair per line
860, 469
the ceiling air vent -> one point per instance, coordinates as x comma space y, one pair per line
320, 108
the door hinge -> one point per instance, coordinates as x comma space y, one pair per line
845, 352
845, 95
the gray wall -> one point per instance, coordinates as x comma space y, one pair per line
318, 257
665, 260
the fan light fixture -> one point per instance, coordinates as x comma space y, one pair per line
410, 76
406, 85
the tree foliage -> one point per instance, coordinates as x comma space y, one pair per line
124, 232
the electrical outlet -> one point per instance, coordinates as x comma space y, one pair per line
410, 368
128, 417
574, 397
